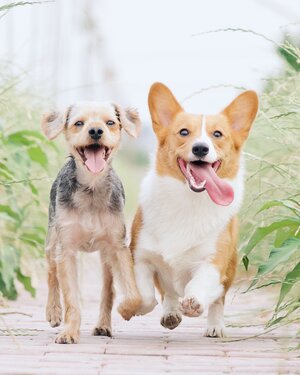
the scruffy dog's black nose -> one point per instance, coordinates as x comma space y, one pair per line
95, 133
200, 149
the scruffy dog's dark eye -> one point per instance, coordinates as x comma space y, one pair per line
110, 123
79, 123
184, 132
217, 134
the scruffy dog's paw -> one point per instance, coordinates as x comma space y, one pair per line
215, 331
54, 315
67, 337
102, 331
191, 307
129, 307
171, 319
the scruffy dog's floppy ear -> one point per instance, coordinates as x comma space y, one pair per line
53, 123
129, 120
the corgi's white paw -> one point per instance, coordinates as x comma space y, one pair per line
191, 307
215, 331
147, 307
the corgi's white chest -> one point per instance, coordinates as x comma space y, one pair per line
176, 220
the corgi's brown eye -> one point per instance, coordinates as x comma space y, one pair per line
79, 123
217, 134
184, 132
110, 123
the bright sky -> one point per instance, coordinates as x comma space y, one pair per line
143, 42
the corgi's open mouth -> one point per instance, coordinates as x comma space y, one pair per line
94, 156
201, 176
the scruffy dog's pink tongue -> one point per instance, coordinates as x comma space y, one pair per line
219, 190
95, 159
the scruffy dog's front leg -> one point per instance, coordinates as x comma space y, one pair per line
53, 308
67, 276
103, 327
123, 270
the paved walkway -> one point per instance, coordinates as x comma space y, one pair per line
142, 346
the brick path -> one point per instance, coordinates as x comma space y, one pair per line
142, 346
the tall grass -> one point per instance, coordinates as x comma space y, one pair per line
24, 167
271, 215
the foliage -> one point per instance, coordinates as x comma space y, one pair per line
14, 4
24, 165
271, 228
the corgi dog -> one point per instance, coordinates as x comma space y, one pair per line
184, 234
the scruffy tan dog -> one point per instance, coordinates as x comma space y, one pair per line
86, 213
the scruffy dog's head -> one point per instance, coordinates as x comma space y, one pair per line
92, 130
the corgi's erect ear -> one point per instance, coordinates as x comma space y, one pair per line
241, 113
163, 106
53, 123
129, 120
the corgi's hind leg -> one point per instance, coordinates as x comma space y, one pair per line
122, 267
215, 319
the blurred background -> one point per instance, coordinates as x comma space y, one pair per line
53, 53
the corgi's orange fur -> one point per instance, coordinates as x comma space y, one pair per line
184, 234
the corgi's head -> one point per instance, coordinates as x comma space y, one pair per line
203, 151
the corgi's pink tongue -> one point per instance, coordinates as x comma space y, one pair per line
95, 159
219, 190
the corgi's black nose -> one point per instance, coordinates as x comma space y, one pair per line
95, 133
200, 149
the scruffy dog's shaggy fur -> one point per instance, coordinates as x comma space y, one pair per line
86, 213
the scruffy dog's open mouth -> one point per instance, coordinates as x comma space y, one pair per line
201, 176
94, 156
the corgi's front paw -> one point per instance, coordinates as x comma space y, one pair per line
146, 308
171, 319
191, 307
215, 331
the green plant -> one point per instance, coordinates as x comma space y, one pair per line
282, 265
271, 228
24, 167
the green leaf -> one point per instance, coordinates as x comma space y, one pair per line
288, 310
19, 139
279, 255
261, 232
5, 170
31, 133
287, 203
32, 238
25, 138
289, 57
33, 189
26, 281
282, 235
37, 155
272, 282
10, 212
8, 292
245, 260
290, 280
8, 265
